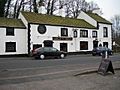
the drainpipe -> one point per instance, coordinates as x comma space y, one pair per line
29, 39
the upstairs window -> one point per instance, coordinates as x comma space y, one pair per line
75, 34
94, 34
42, 29
64, 32
83, 33
10, 46
105, 32
9, 31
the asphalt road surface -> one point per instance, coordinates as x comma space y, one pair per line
83, 82
28, 62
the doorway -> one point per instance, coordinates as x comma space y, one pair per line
63, 47
95, 43
105, 44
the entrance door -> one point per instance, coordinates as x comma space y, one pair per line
95, 44
105, 44
63, 47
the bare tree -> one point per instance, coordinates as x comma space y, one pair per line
18, 10
15, 9
73, 8
116, 25
2, 6
7, 7
35, 9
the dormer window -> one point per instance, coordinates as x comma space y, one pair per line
9, 31
64, 32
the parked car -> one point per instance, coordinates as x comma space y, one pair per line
44, 52
99, 51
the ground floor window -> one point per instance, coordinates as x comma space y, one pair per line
48, 43
36, 46
10, 46
83, 45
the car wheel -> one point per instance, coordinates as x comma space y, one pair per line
62, 56
93, 54
111, 53
42, 56
100, 54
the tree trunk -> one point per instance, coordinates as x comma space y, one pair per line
48, 7
7, 8
52, 7
2, 6
35, 9
18, 10
15, 9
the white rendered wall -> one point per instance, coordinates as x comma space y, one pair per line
55, 31
20, 39
102, 39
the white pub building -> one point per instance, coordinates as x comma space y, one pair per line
33, 30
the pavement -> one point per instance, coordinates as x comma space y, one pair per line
56, 77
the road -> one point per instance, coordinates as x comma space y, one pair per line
27, 62
92, 81
26, 69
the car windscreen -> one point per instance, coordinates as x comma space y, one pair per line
103, 48
53, 49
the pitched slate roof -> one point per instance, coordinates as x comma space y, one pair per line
98, 18
55, 20
9, 22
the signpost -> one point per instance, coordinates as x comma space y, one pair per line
105, 65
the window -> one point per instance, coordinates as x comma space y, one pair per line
36, 46
9, 31
75, 33
94, 34
41, 29
83, 33
83, 45
64, 32
105, 32
10, 46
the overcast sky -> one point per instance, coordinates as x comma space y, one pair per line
109, 7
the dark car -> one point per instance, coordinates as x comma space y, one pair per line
100, 50
44, 52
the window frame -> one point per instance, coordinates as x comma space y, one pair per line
105, 32
10, 33
86, 48
84, 33
75, 33
7, 44
64, 31
41, 29
94, 34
